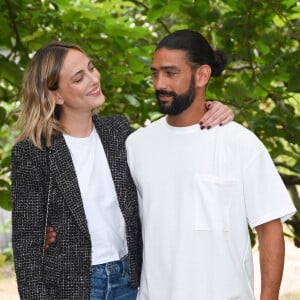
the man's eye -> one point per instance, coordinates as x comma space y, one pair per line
170, 74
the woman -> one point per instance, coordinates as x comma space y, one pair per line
69, 171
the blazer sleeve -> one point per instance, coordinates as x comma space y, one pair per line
29, 196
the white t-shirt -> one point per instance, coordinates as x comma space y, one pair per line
198, 191
105, 221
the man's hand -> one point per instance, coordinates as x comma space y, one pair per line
51, 237
217, 114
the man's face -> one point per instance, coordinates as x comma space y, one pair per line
173, 81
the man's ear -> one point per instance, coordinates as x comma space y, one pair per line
57, 97
202, 75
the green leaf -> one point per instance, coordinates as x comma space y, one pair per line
38, 33
236, 90
297, 166
5, 162
278, 21
10, 70
294, 82
63, 4
2, 115
157, 11
5, 201
132, 100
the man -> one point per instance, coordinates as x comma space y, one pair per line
199, 190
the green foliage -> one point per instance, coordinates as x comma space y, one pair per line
261, 82
6, 256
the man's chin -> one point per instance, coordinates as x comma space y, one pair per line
164, 108
167, 111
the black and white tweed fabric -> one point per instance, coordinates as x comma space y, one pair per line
64, 272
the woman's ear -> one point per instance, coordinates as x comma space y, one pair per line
57, 97
202, 75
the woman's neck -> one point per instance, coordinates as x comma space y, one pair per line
77, 125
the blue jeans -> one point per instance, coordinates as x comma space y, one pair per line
110, 281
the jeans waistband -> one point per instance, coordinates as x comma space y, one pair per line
110, 268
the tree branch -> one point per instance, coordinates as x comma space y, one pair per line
290, 180
139, 3
285, 165
248, 26
18, 44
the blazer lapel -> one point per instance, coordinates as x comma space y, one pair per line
110, 145
63, 173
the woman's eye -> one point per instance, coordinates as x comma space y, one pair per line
78, 80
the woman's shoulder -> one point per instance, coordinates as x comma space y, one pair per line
23, 145
110, 119
118, 122
26, 148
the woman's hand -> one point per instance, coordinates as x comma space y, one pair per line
217, 114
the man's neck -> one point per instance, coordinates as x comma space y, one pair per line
191, 116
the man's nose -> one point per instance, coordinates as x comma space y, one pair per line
160, 82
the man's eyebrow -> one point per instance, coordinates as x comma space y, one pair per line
170, 67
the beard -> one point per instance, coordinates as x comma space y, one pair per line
180, 102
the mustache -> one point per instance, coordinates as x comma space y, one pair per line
166, 93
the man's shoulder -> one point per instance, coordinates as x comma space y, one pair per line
144, 135
237, 131
148, 130
235, 127
242, 138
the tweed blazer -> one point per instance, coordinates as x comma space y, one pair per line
63, 271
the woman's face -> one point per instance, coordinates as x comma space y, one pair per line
79, 85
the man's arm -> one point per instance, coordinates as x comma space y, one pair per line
271, 249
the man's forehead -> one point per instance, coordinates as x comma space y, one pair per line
169, 58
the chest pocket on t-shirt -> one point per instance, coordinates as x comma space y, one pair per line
212, 202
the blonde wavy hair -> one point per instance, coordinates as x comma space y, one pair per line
39, 114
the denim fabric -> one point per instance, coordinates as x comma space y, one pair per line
110, 281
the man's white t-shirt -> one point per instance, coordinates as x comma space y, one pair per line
105, 221
198, 192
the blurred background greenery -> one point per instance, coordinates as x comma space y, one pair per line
261, 82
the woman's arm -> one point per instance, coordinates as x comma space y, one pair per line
28, 221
